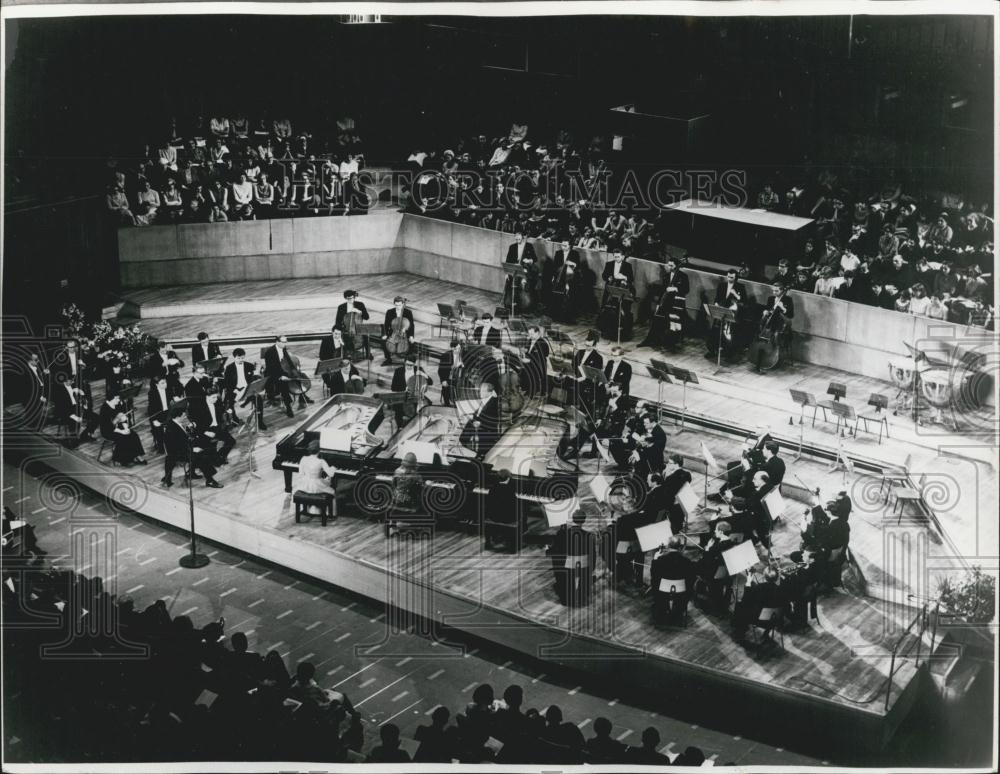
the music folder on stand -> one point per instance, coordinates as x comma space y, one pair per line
212, 366
721, 315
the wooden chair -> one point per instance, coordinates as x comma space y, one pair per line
893, 475
767, 623
907, 494
325, 501
879, 404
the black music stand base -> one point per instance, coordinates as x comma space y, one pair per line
193, 561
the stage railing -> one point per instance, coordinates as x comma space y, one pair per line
923, 618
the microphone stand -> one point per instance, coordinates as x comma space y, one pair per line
193, 560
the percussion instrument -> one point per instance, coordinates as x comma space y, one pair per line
936, 386
901, 372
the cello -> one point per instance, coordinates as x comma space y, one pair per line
398, 343
765, 349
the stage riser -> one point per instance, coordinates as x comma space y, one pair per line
666, 683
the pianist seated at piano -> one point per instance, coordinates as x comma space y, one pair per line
407, 494
502, 514
316, 477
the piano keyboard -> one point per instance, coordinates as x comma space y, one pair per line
352, 472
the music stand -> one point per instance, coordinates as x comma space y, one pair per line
253, 392
514, 271
614, 291
803, 399
721, 315
845, 413
557, 336
684, 376
366, 331
662, 377
392, 399
323, 367
212, 366
127, 394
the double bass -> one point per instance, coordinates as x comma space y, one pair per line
298, 382
398, 342
765, 349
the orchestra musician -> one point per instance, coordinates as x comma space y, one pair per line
551, 276
126, 445
315, 476
617, 370
205, 349
162, 392
482, 431
502, 513
210, 423
609, 426
407, 492
35, 390
487, 332
751, 459
712, 568
650, 443
666, 328
617, 273
332, 347
534, 377
672, 576
165, 361
800, 584
776, 322
71, 390
236, 377
412, 379
756, 597
198, 386
346, 379
754, 496
520, 250
350, 314
281, 368
587, 356
624, 542
451, 367
180, 444
574, 554
836, 540
398, 311
729, 294
672, 484
521, 294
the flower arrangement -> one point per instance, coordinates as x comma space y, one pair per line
122, 347
972, 596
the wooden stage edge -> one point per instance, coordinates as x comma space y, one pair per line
789, 711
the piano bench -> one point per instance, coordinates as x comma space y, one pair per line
326, 503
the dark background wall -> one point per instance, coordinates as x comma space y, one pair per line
866, 93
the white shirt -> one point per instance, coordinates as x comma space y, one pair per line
241, 376
36, 371
162, 390
618, 269
614, 367
72, 362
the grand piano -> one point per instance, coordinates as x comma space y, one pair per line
359, 415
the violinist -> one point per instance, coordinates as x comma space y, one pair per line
397, 330
281, 369
161, 394
610, 425
534, 377
205, 349
672, 484
650, 443
729, 294
754, 497
236, 377
586, 356
182, 446
210, 423
667, 325
624, 542
198, 386
127, 448
671, 571
740, 472
412, 379
574, 554
756, 597
164, 361
617, 370
451, 367
350, 315
346, 380
712, 567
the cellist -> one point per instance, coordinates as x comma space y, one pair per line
412, 379
350, 315
775, 324
399, 333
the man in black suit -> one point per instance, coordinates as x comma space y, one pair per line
574, 555
209, 419
754, 494
711, 562
451, 367
617, 370
587, 356
359, 313
179, 446
550, 270
401, 381
672, 484
730, 289
521, 248
617, 272
236, 377
165, 362
731, 294
35, 387
205, 349
398, 310
835, 541
666, 328
197, 386
774, 466
778, 315
481, 432
71, 407
162, 392
486, 332
502, 508
756, 597
672, 578
345, 379
648, 457
70, 366
280, 370
333, 347
534, 377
